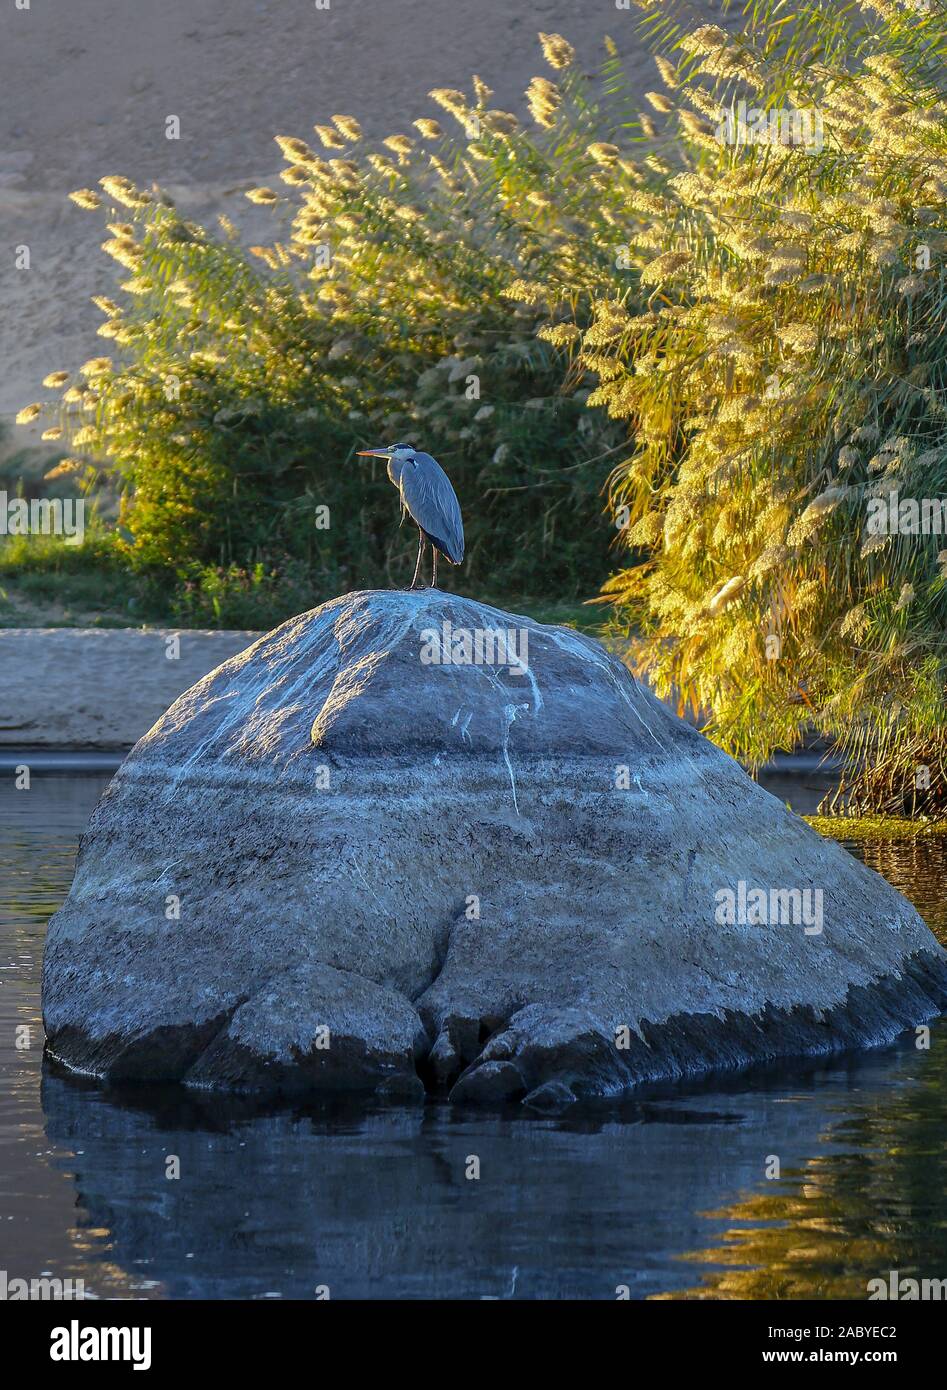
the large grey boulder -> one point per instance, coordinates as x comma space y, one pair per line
340, 860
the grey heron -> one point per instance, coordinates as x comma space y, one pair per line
429, 500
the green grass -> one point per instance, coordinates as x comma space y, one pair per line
45, 583
553, 612
875, 827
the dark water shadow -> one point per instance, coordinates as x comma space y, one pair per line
373, 1201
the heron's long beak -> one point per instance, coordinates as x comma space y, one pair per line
373, 453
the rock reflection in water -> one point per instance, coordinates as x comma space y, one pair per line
375, 1202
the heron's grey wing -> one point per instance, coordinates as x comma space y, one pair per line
427, 495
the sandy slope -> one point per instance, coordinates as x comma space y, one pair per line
87, 85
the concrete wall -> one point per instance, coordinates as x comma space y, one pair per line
99, 687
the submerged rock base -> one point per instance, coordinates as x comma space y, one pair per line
546, 1058
336, 864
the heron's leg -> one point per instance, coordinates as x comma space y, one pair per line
434, 567
417, 568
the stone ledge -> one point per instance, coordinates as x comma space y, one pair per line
101, 688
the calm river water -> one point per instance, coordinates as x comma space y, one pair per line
666, 1194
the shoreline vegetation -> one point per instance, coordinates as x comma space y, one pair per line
45, 585
876, 828
673, 362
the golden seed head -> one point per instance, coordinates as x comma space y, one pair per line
124, 250
400, 144
544, 99
96, 366
122, 190
482, 92
502, 123
348, 126
293, 149
453, 101
108, 306
330, 137
668, 72
556, 51
705, 39
659, 101
86, 198
63, 468
603, 153
665, 265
